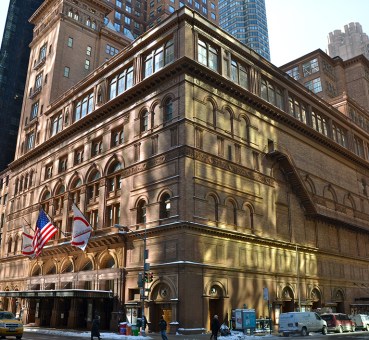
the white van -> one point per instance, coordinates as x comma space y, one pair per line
361, 321
302, 323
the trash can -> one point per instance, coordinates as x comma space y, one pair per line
123, 328
129, 329
134, 330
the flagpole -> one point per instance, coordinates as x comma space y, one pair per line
28, 224
66, 234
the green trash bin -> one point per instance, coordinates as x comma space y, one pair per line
135, 330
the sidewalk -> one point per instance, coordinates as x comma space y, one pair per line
155, 336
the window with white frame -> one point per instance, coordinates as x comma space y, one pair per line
310, 67
207, 55
159, 58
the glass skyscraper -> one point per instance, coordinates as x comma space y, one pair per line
246, 21
14, 56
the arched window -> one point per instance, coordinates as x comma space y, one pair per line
168, 110
213, 208
16, 186
76, 190
10, 242
231, 213
165, 206
45, 200
249, 218
59, 199
144, 121
141, 212
88, 22
115, 178
93, 187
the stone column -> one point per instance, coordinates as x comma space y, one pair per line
55, 314
174, 325
73, 321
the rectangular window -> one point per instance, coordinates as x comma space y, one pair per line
89, 50
117, 137
70, 42
34, 110
42, 53
119, 3
339, 135
48, 171
87, 64
62, 166
83, 106
56, 124
66, 71
111, 50
294, 73
310, 67
38, 81
30, 141
314, 85
78, 156
319, 123
96, 147
358, 147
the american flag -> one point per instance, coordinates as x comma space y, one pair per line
45, 230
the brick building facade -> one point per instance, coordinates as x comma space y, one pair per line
227, 168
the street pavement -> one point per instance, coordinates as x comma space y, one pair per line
154, 336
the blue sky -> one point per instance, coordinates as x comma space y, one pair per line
296, 27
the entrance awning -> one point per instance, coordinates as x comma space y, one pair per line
59, 293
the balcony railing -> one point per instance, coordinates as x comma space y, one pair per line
39, 63
35, 92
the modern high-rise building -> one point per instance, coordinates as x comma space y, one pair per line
13, 72
246, 20
134, 17
348, 43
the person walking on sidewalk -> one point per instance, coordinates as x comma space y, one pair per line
163, 328
215, 326
95, 329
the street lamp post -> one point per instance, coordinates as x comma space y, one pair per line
126, 230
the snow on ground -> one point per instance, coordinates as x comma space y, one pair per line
111, 336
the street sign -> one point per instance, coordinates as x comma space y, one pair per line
265, 294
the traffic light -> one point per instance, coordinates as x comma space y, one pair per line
151, 277
146, 277
140, 280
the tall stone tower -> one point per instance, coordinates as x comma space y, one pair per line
70, 40
348, 43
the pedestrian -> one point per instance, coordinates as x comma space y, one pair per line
95, 329
163, 328
215, 326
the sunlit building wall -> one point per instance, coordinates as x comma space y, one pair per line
227, 173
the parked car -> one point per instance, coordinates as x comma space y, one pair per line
361, 321
10, 325
338, 322
302, 323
